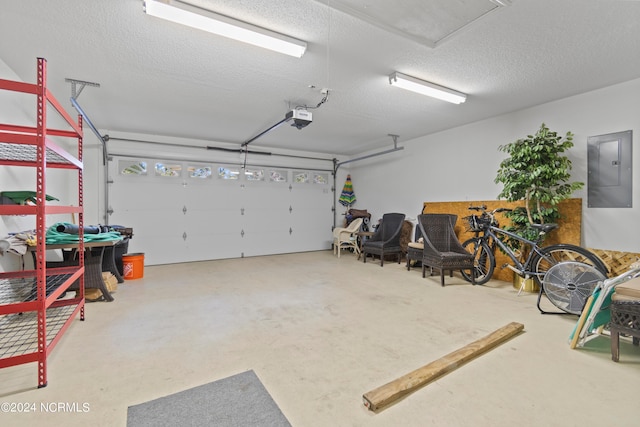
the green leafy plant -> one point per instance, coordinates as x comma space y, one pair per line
537, 173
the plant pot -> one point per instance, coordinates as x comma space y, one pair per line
530, 285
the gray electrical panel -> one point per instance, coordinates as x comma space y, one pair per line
610, 171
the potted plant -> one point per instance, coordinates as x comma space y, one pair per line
538, 173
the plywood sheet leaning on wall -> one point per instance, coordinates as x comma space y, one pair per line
568, 231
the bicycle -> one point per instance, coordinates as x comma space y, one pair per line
570, 287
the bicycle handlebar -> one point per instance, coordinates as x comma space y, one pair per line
483, 208
478, 208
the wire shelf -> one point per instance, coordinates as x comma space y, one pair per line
27, 153
25, 289
19, 332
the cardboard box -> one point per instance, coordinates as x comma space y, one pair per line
92, 294
110, 281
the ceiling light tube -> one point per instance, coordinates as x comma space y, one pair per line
426, 88
503, 3
211, 22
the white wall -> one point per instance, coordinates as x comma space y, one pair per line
461, 163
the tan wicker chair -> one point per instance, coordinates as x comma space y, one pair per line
346, 237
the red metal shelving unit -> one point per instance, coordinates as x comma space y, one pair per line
34, 312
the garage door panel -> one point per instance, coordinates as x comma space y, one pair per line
261, 242
165, 248
206, 246
266, 220
213, 196
311, 238
311, 232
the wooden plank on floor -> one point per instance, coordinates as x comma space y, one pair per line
384, 395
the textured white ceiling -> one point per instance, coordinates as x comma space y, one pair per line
427, 22
165, 79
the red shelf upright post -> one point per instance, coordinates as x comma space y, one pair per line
41, 232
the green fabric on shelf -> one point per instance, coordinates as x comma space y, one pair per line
20, 197
54, 237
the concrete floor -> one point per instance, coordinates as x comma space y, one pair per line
320, 332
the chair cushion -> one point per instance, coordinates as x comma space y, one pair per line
617, 297
445, 256
373, 244
416, 245
628, 291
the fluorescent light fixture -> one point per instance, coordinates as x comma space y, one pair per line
211, 22
503, 3
426, 88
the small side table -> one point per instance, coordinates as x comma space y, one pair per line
362, 236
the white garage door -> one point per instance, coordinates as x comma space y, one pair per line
185, 211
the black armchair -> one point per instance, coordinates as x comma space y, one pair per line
386, 239
442, 249
415, 249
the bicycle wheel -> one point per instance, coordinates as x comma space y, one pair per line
484, 261
569, 284
552, 255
